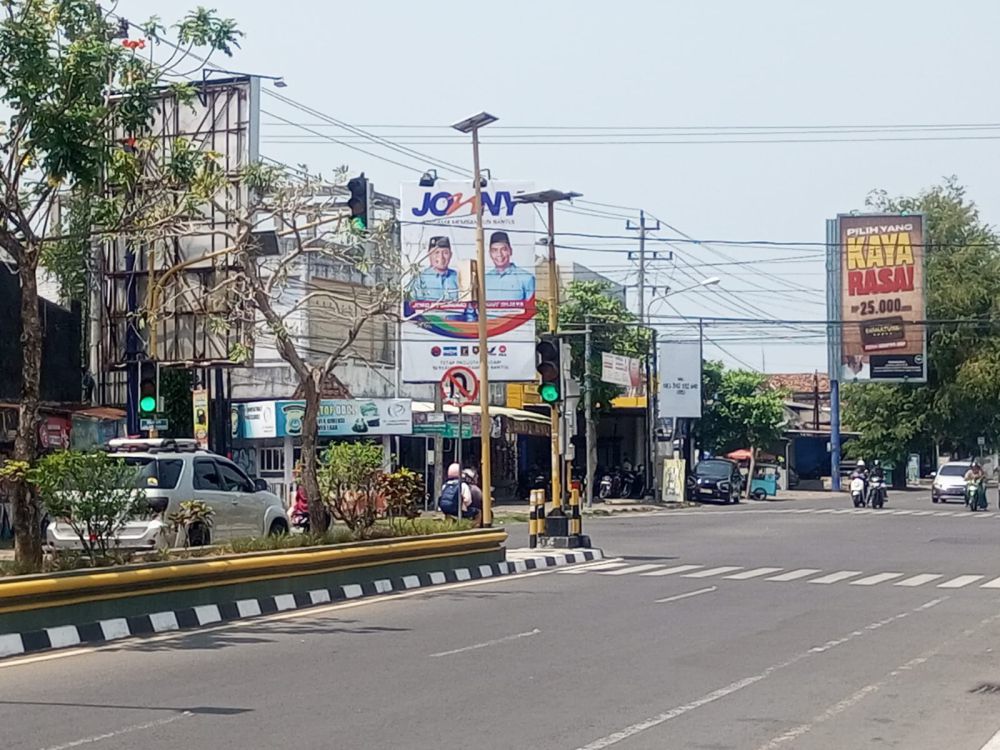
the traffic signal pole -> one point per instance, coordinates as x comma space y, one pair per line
553, 328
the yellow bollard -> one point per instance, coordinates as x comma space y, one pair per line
533, 519
575, 522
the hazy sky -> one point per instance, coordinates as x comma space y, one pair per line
665, 64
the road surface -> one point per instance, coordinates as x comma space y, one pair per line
769, 625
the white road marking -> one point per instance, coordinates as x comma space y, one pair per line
919, 580
838, 576
945, 513
924, 513
689, 594
877, 578
580, 569
994, 743
826, 510
746, 574
957, 583
487, 644
795, 574
994, 584
119, 732
734, 687
671, 571
902, 512
714, 571
629, 570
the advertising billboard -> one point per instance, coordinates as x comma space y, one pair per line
878, 272
680, 379
337, 418
617, 369
440, 299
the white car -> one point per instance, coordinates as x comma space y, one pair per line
171, 471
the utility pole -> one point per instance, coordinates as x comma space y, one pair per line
588, 414
650, 420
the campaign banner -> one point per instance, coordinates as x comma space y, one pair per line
348, 417
199, 413
680, 379
440, 287
881, 292
618, 369
257, 420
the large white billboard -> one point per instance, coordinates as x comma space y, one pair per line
440, 300
680, 379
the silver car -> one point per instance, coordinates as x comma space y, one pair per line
949, 482
171, 471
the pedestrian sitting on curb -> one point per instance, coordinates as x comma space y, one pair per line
456, 497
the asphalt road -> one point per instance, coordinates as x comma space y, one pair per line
768, 625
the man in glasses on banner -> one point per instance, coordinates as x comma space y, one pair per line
438, 282
505, 282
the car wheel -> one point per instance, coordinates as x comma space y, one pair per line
199, 535
935, 499
278, 528
759, 494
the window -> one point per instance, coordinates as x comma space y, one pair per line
233, 480
272, 461
162, 473
205, 475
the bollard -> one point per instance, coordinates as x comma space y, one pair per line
533, 519
575, 522
540, 523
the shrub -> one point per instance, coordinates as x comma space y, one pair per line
402, 492
349, 482
189, 513
94, 493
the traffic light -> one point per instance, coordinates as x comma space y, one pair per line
358, 202
149, 388
547, 358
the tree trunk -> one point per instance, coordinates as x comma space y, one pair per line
753, 466
27, 520
310, 460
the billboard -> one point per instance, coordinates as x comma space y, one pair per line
440, 300
878, 275
680, 379
618, 369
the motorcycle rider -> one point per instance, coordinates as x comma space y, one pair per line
976, 475
877, 472
861, 472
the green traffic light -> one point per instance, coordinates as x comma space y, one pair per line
549, 393
147, 404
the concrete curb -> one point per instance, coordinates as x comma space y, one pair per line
190, 618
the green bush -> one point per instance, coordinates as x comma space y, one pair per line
94, 493
349, 480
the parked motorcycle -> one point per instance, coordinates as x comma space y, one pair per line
876, 492
858, 492
638, 489
611, 484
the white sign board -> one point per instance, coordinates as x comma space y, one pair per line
620, 370
440, 301
680, 379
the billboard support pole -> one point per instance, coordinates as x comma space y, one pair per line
835, 435
833, 337
588, 414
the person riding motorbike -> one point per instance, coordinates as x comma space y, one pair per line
877, 472
860, 474
975, 475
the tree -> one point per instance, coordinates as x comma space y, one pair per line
68, 82
961, 399
615, 330
741, 411
313, 229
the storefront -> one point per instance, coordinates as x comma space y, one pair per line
266, 434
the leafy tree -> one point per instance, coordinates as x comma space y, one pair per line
69, 86
740, 411
94, 493
961, 399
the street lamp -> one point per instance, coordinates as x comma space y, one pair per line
550, 198
472, 125
711, 281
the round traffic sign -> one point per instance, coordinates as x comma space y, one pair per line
460, 386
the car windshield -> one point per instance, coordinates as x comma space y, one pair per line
162, 473
713, 469
953, 470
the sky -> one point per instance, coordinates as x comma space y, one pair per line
544, 67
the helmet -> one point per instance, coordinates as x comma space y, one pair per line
861, 463
875, 462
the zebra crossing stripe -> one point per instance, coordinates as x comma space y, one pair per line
671, 571
747, 574
839, 576
626, 571
877, 578
994, 584
920, 580
794, 574
714, 571
575, 571
957, 583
